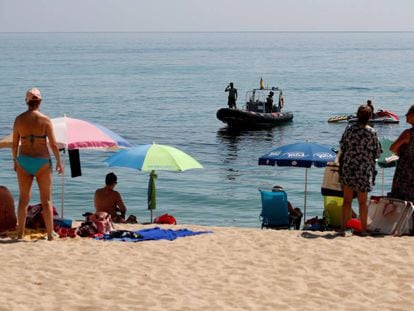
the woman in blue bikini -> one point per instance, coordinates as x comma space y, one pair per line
32, 131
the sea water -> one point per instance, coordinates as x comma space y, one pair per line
166, 88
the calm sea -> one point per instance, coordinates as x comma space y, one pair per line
167, 87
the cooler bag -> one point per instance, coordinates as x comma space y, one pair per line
332, 211
389, 216
331, 185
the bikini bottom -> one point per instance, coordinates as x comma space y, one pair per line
31, 164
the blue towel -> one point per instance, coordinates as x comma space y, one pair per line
155, 233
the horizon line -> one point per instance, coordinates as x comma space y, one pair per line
225, 31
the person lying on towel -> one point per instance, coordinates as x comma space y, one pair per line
110, 201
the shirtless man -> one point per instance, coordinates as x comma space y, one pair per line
110, 201
232, 95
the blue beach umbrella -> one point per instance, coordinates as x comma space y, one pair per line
303, 154
150, 158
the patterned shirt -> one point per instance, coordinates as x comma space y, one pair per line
360, 148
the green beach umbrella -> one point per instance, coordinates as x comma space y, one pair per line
152, 192
386, 159
151, 158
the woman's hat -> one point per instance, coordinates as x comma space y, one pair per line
33, 94
411, 110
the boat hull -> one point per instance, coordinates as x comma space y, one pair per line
238, 118
382, 120
381, 116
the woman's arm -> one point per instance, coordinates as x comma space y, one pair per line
53, 145
120, 204
403, 139
15, 143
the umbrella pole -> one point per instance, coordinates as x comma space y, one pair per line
63, 186
306, 190
382, 186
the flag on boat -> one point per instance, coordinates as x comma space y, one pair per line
261, 83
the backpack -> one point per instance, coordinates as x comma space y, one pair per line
165, 219
34, 218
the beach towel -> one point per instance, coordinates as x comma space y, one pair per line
155, 233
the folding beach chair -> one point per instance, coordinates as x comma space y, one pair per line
275, 212
389, 216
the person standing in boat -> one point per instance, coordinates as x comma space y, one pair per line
232, 95
370, 105
269, 102
281, 102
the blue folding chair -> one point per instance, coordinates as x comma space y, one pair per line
275, 212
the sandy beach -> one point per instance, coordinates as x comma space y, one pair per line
229, 269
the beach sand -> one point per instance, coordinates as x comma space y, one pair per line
229, 269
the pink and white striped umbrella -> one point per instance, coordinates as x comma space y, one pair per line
73, 133
80, 134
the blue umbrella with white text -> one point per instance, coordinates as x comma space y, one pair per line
303, 154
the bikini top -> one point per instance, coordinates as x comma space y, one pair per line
32, 137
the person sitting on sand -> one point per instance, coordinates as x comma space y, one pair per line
8, 218
295, 213
110, 201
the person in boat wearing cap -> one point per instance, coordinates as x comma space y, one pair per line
232, 95
32, 133
403, 181
110, 201
269, 102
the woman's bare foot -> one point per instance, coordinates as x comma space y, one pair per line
52, 236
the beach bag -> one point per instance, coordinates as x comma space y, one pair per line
165, 219
95, 223
102, 221
331, 185
34, 217
87, 229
